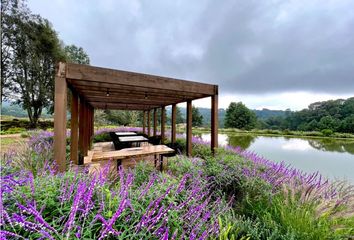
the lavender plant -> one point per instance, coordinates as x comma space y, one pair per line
269, 200
78, 205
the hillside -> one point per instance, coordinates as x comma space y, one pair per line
16, 110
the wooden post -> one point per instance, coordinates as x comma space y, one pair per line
74, 128
155, 121
92, 123
81, 130
149, 123
144, 121
60, 100
214, 121
163, 120
85, 130
89, 135
173, 123
189, 128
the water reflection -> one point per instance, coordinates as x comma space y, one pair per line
288, 143
243, 141
333, 158
296, 144
332, 145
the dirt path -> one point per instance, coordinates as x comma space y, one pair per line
11, 141
17, 135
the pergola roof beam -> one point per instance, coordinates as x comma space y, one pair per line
110, 76
93, 85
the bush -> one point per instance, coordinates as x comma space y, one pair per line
25, 135
327, 132
103, 137
14, 130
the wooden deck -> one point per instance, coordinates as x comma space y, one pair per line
100, 154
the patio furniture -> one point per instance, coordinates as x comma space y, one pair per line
127, 153
132, 140
117, 143
155, 140
121, 134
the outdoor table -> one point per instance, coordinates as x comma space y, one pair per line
120, 134
133, 139
133, 152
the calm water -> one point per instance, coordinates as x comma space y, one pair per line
332, 158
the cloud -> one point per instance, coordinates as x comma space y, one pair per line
247, 47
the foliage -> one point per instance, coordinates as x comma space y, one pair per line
272, 200
78, 205
33, 49
179, 116
16, 111
76, 54
335, 115
197, 118
235, 194
22, 125
239, 116
13, 130
103, 137
122, 117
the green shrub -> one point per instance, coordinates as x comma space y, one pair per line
103, 137
25, 135
327, 132
14, 130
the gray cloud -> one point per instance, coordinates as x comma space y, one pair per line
244, 46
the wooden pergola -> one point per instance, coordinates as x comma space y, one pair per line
102, 88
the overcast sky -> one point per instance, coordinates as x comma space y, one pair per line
267, 54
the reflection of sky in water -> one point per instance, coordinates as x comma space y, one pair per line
296, 144
222, 139
328, 157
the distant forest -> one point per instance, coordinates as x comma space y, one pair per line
335, 115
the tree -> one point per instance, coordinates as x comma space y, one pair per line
347, 125
239, 116
122, 117
328, 122
76, 54
179, 117
197, 118
34, 50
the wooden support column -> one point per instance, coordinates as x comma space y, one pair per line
74, 128
173, 123
155, 121
189, 128
92, 123
85, 130
144, 121
214, 121
89, 130
163, 120
60, 100
149, 122
81, 131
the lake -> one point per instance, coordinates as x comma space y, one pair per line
333, 158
